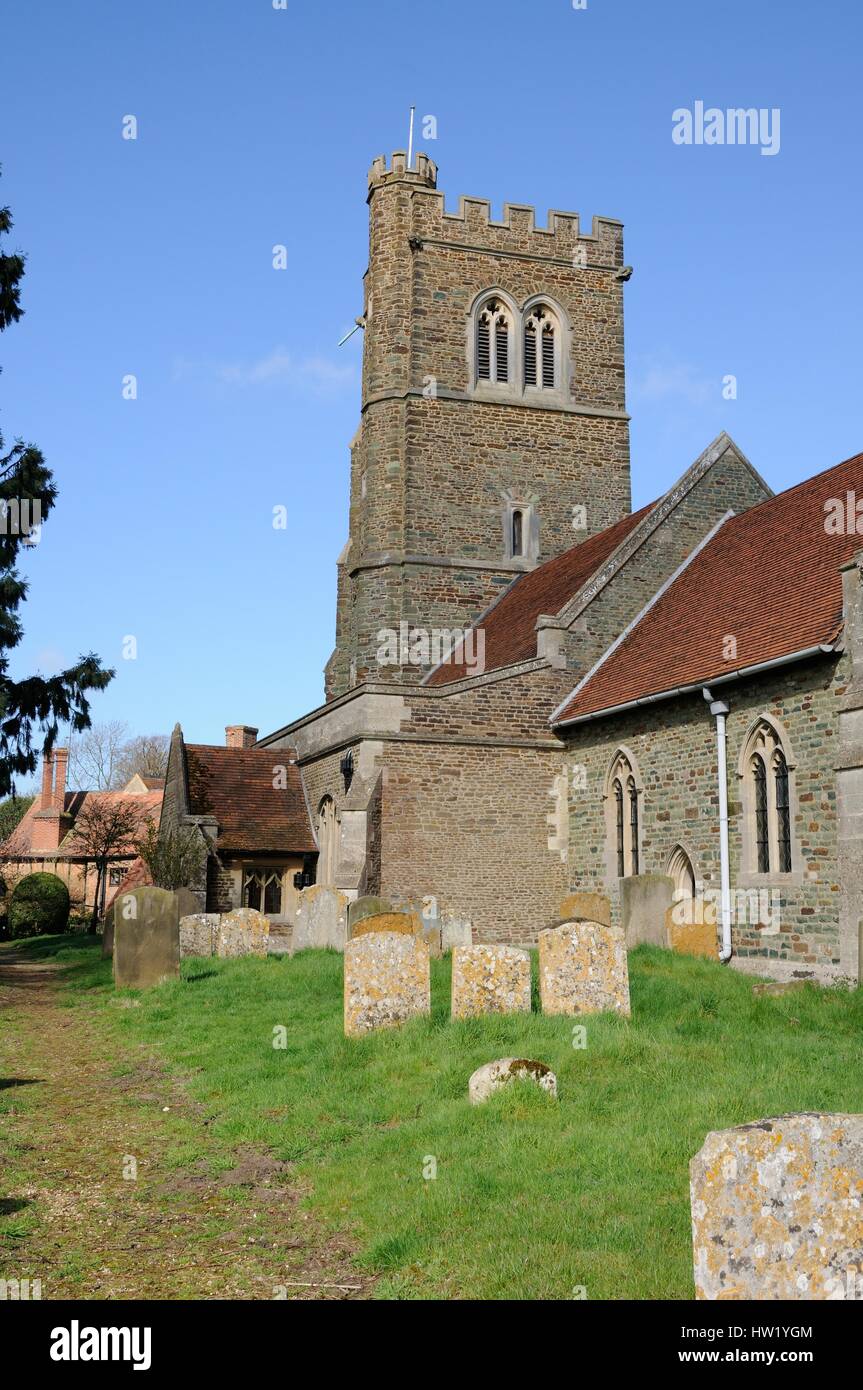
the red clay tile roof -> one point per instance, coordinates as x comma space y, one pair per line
510, 627
18, 844
236, 786
769, 578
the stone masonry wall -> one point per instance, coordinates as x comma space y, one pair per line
673, 744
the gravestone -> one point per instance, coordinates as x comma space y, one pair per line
386, 981
777, 1210
405, 923
243, 932
494, 1075
364, 907
645, 899
690, 928
108, 933
188, 903
455, 931
583, 969
490, 980
586, 907
146, 938
198, 934
321, 919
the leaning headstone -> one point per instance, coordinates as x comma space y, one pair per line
428, 912
583, 970
690, 928
321, 919
199, 934
364, 907
777, 1209
146, 938
491, 1077
243, 932
586, 907
386, 981
490, 980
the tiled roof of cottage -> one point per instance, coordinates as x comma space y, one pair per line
236, 786
510, 626
18, 845
769, 577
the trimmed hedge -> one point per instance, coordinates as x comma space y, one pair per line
39, 906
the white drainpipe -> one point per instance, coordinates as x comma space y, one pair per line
719, 709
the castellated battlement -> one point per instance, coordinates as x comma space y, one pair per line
517, 229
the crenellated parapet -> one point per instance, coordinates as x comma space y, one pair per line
517, 231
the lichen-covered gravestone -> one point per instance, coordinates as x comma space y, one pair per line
146, 938
690, 927
198, 934
321, 919
386, 981
405, 923
243, 932
583, 970
586, 907
777, 1210
364, 907
490, 980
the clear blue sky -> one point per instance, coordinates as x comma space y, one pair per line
256, 127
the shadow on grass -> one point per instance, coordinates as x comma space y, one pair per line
7, 1082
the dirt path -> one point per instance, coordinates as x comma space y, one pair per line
110, 1184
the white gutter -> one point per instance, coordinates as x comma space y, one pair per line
822, 648
719, 709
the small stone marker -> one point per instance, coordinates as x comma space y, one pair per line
696, 934
198, 934
777, 1210
583, 970
491, 1077
243, 932
386, 981
586, 907
146, 938
490, 980
321, 919
364, 907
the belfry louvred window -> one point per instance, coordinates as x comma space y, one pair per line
492, 343
540, 349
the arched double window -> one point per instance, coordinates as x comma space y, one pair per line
518, 349
623, 799
767, 794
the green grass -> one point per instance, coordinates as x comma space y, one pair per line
532, 1198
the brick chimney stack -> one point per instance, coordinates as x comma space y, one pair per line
47, 782
240, 736
50, 823
61, 760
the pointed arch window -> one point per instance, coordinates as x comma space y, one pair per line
783, 811
768, 800
327, 842
624, 817
683, 874
493, 328
541, 339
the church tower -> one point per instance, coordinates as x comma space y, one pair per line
493, 431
